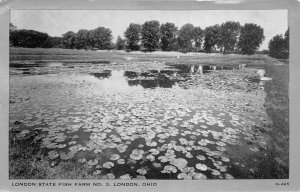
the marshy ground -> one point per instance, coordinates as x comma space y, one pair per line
117, 115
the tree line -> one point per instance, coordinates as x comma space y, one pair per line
150, 36
279, 46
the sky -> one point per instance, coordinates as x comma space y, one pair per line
57, 22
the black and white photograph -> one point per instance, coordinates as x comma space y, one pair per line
148, 94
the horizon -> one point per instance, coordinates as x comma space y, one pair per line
58, 22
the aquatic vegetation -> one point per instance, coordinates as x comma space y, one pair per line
83, 160
136, 154
108, 165
199, 176
169, 169
92, 162
125, 177
114, 157
184, 176
52, 155
201, 167
121, 161
190, 124
142, 171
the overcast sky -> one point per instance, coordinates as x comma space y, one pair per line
57, 22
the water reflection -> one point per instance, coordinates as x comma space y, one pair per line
104, 74
202, 69
165, 78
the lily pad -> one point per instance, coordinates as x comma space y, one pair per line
121, 161
110, 176
254, 149
225, 159
169, 169
199, 176
156, 165
108, 165
154, 151
97, 172
221, 144
137, 154
150, 157
66, 156
142, 171
93, 162
215, 172
52, 155
201, 167
114, 157
201, 157
183, 176
125, 177
122, 148
180, 163
189, 155
83, 160
228, 176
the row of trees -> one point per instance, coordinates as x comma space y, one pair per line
229, 36
279, 46
31, 38
150, 36
100, 38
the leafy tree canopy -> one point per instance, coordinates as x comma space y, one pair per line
185, 37
212, 37
133, 36
168, 33
150, 35
251, 37
229, 35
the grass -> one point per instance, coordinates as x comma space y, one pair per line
27, 162
82, 56
277, 105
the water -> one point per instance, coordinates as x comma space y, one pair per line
149, 109
150, 79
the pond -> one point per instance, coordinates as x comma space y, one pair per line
164, 123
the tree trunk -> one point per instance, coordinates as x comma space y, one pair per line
224, 50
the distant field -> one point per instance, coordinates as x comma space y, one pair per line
65, 55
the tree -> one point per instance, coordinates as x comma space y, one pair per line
287, 39
12, 27
229, 35
27, 38
102, 38
277, 47
68, 40
120, 43
90, 39
212, 37
168, 33
133, 36
251, 37
197, 37
185, 37
150, 35
53, 42
81, 39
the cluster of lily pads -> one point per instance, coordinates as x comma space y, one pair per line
168, 133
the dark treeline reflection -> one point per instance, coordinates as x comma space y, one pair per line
104, 74
165, 78
151, 79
